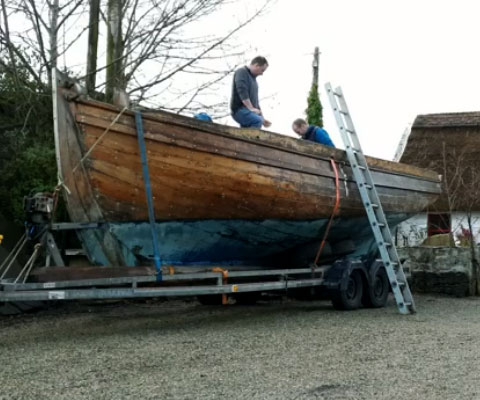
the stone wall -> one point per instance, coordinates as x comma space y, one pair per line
446, 270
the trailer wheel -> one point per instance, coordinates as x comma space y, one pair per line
210, 299
377, 291
349, 298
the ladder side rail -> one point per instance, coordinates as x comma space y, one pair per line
333, 97
359, 178
382, 223
349, 126
344, 120
385, 245
384, 240
380, 238
379, 213
359, 157
369, 195
389, 265
386, 235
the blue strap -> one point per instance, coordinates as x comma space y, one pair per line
148, 190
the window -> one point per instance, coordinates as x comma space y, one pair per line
439, 223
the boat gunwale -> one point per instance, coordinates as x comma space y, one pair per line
286, 143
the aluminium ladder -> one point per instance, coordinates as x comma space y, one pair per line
369, 195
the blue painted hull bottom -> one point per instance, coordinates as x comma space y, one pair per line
268, 243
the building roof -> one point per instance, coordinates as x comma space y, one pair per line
448, 143
446, 120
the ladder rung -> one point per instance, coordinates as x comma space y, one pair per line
384, 244
392, 264
400, 284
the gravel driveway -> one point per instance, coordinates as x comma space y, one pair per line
274, 350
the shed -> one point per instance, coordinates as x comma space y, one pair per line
448, 143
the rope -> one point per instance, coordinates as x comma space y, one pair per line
13, 255
32, 262
29, 264
100, 138
334, 212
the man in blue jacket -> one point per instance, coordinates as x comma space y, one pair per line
244, 103
311, 132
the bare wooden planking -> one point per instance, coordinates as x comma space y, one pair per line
208, 171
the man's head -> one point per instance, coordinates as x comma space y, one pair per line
300, 127
258, 66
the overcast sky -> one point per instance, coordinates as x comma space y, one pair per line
393, 59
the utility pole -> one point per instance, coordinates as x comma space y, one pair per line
315, 65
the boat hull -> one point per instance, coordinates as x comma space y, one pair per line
268, 243
221, 195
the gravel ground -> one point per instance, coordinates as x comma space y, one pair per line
274, 350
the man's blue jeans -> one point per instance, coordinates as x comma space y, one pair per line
247, 118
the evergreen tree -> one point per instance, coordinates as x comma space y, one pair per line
27, 154
314, 110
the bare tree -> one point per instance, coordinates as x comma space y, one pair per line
92, 52
115, 49
171, 52
469, 188
40, 23
461, 186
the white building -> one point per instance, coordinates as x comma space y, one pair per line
415, 230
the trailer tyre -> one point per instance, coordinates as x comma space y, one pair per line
349, 298
376, 293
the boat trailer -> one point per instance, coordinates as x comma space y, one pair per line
46, 275
349, 282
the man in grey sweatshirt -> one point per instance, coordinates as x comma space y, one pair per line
244, 104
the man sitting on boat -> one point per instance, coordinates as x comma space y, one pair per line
244, 103
311, 132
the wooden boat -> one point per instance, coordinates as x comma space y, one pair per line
221, 195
